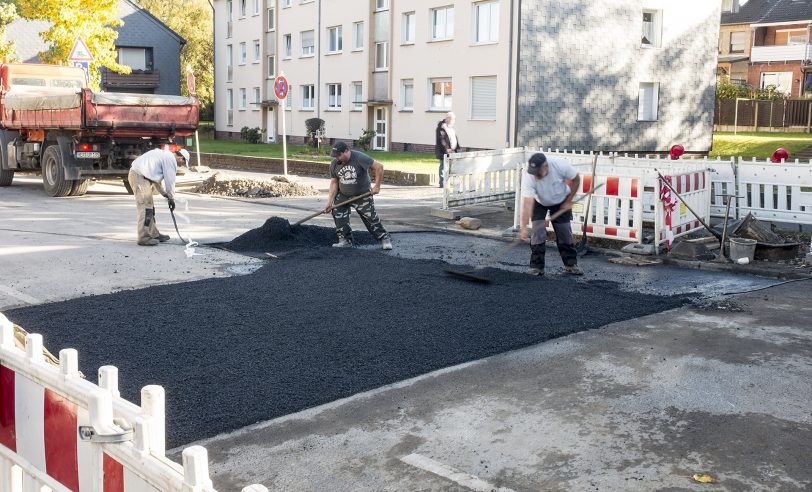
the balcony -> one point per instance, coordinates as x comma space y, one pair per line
112, 81
797, 52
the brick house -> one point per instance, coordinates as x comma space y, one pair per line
144, 43
767, 43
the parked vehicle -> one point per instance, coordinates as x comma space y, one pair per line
52, 123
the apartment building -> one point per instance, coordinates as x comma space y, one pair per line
633, 75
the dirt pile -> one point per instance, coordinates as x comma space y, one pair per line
276, 234
276, 186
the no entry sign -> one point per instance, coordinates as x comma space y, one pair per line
280, 87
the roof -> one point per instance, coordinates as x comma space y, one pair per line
155, 19
770, 11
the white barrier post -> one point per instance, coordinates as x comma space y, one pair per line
69, 363
255, 488
6, 333
153, 404
196, 470
108, 380
33, 347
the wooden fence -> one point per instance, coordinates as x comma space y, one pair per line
748, 114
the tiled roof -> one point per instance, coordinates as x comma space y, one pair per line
769, 11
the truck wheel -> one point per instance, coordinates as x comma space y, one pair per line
6, 177
53, 174
127, 185
79, 187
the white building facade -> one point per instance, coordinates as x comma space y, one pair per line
638, 76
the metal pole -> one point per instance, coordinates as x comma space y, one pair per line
284, 132
197, 146
736, 118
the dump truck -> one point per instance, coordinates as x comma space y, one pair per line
51, 123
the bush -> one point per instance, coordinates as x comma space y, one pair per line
251, 135
366, 138
314, 131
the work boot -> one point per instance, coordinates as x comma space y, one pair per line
539, 272
148, 242
386, 244
573, 270
162, 238
342, 243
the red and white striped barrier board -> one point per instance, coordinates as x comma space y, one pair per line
60, 432
694, 189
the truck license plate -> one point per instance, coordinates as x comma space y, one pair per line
88, 155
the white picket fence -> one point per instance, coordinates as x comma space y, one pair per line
60, 432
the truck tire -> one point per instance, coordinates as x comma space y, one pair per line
79, 187
53, 173
6, 177
127, 185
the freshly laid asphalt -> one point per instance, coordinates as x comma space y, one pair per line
317, 325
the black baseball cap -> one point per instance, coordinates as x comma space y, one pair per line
339, 148
534, 164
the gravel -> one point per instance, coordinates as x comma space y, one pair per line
317, 325
276, 186
277, 235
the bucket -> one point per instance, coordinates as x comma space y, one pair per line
742, 248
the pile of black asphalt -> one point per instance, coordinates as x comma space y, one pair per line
278, 235
314, 326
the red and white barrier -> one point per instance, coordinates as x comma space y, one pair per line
60, 432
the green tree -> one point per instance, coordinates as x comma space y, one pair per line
8, 14
92, 20
192, 20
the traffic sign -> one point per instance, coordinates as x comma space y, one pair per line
280, 87
80, 52
84, 65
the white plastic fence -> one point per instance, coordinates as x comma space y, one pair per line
60, 432
780, 192
482, 177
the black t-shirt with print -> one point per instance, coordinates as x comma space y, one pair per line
353, 176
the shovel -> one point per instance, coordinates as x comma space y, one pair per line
337, 205
581, 249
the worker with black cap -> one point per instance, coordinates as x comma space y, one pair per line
545, 189
349, 177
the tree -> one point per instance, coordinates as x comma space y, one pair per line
192, 20
8, 14
92, 20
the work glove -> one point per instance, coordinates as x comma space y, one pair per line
171, 205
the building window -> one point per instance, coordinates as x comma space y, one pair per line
289, 102
727, 5
777, 81
357, 36
242, 8
257, 52
335, 39
308, 96
381, 55
136, 58
230, 106
738, 42
271, 66
243, 99
408, 28
407, 94
648, 100
287, 45
230, 10
333, 96
381, 4
486, 22
652, 27
357, 96
795, 38
308, 46
440, 92
243, 53
483, 98
256, 7
229, 63
442, 23
287, 3
257, 100
271, 20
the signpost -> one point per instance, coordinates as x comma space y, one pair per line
80, 57
280, 90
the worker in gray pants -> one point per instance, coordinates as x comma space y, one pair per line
146, 174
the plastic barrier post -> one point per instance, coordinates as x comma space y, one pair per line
153, 404
196, 470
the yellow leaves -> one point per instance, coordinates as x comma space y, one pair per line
703, 478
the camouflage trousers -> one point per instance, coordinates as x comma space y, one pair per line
366, 210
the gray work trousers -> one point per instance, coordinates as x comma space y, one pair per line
143, 189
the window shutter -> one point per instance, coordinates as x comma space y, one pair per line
483, 98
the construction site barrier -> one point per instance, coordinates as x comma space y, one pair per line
60, 432
482, 177
779, 192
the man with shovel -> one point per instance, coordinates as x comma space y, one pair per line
349, 178
544, 189
146, 173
